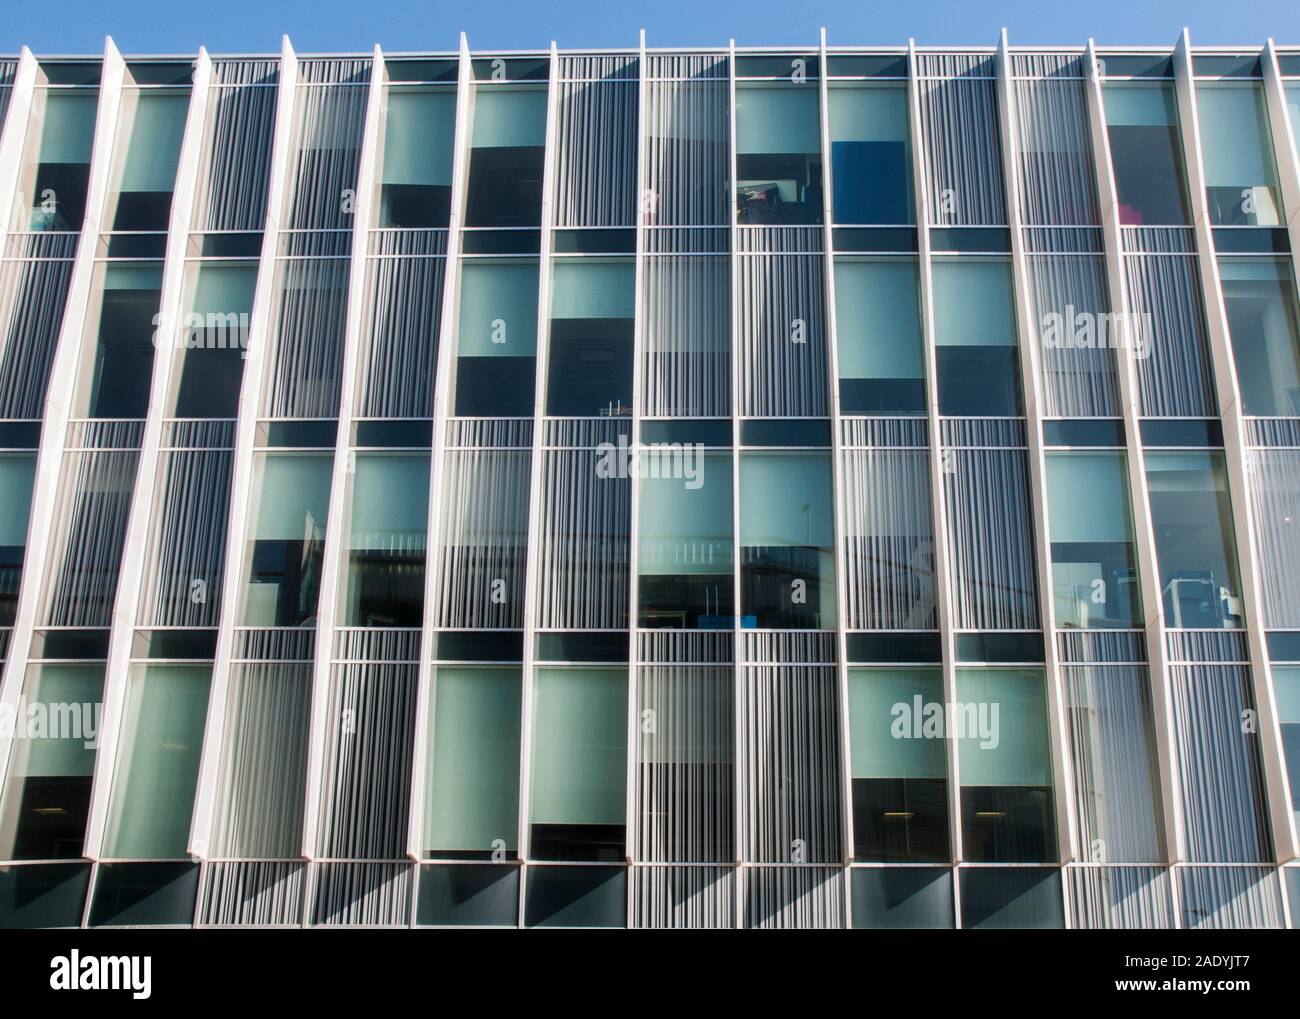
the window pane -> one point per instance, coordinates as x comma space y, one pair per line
1000, 898
118, 378
497, 336
17, 475
899, 764
287, 538
474, 763
1260, 298
901, 897
150, 129
386, 543
47, 795
786, 538
1142, 125
1286, 689
215, 334
506, 156
56, 168
778, 154
1240, 178
878, 325
1094, 566
871, 170
1194, 541
158, 762
975, 338
1005, 766
419, 132
592, 323
579, 793
684, 558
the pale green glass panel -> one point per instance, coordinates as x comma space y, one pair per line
785, 499
877, 319
973, 304
868, 113
473, 780
419, 134
293, 496
1286, 690
68, 129
1003, 725
579, 746
1087, 497
498, 309
508, 117
61, 714
156, 122
158, 762
224, 289
17, 474
586, 288
1140, 104
684, 529
390, 501
777, 119
887, 710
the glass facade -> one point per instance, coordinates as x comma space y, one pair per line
650, 488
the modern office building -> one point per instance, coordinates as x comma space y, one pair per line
809, 487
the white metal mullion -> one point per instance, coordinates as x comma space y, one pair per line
1031, 383
167, 357
442, 395
938, 495
333, 558
740, 715
59, 395
1160, 686
1237, 462
14, 134
633, 622
250, 395
531, 578
837, 477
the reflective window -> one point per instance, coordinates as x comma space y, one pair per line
778, 154
1195, 548
116, 383
151, 125
1005, 766
419, 133
684, 557
1094, 565
871, 170
214, 334
579, 783
878, 329
389, 518
1286, 688
291, 497
17, 475
899, 764
1240, 176
56, 166
1260, 297
507, 146
497, 339
1142, 125
47, 793
975, 338
473, 799
157, 766
589, 373
786, 541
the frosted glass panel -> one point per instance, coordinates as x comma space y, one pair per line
580, 747
390, 500
584, 288
785, 499
158, 762
474, 761
1087, 495
156, 124
1240, 177
774, 120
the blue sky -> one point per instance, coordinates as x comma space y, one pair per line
174, 26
